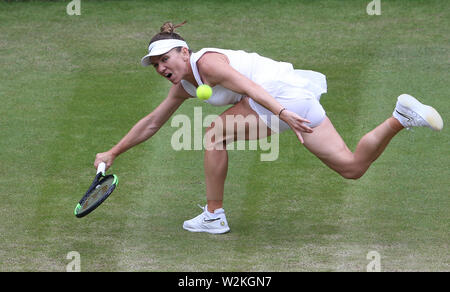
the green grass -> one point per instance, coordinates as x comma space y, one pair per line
72, 86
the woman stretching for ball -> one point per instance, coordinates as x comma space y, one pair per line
275, 95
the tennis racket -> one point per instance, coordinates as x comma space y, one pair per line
100, 189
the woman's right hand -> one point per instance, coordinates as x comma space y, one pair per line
297, 123
106, 157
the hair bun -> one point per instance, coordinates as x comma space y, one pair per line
168, 27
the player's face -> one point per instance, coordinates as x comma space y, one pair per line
172, 65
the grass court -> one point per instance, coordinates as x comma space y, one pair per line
72, 86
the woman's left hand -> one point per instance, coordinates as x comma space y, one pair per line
297, 123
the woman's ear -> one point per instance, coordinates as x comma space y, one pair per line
185, 53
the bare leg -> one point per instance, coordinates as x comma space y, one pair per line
373, 143
333, 153
216, 167
216, 156
336, 154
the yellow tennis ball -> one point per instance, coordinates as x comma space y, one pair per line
204, 92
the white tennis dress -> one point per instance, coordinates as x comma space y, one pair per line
296, 90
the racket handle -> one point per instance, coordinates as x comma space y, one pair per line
101, 168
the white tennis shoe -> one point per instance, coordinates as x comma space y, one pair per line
412, 113
208, 222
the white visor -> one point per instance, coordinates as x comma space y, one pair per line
161, 47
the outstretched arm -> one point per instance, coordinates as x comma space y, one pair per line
146, 127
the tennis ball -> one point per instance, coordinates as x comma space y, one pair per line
204, 92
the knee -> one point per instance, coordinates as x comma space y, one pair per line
214, 138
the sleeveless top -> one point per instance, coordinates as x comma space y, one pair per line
279, 79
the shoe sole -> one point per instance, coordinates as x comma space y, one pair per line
428, 113
212, 231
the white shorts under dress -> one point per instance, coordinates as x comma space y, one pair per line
298, 91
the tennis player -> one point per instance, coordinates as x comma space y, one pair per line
277, 95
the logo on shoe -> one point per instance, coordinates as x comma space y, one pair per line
210, 220
403, 115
